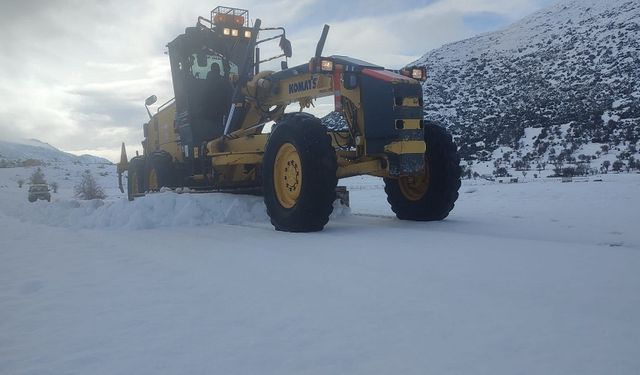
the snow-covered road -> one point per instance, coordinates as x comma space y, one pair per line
537, 278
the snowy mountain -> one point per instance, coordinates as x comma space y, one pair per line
560, 86
335, 121
36, 150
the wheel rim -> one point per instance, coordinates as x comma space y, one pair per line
153, 179
134, 183
415, 187
287, 175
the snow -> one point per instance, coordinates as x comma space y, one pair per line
530, 136
536, 278
607, 116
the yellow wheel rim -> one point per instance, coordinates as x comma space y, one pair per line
153, 180
134, 183
287, 175
415, 187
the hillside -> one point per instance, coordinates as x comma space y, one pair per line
35, 150
561, 86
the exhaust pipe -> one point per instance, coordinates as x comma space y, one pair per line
323, 38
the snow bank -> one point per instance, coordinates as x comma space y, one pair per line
165, 209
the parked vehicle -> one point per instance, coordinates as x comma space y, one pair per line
39, 191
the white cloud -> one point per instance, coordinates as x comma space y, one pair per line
75, 74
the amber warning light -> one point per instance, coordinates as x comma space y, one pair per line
228, 19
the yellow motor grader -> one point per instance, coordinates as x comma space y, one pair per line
213, 136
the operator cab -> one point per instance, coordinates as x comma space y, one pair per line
205, 64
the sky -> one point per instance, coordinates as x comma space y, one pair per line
75, 73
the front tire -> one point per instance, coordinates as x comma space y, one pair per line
299, 174
431, 195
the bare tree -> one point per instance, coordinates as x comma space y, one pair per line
88, 188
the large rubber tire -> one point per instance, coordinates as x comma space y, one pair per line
299, 149
135, 177
434, 197
160, 171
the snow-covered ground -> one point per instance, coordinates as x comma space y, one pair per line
534, 278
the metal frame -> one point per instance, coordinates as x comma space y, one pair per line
231, 11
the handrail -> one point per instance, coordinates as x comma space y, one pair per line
200, 18
165, 103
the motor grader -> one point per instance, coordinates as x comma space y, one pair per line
214, 134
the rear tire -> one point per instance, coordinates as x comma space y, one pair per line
160, 171
431, 196
299, 174
135, 177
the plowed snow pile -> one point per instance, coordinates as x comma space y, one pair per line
166, 209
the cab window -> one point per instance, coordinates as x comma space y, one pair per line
200, 70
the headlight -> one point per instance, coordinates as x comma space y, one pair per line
417, 74
326, 65
234, 32
247, 33
226, 31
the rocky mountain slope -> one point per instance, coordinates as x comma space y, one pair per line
35, 150
560, 86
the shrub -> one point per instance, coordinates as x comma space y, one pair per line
568, 172
501, 172
582, 170
617, 166
37, 177
88, 188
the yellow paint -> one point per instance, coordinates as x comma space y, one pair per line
134, 182
414, 188
246, 144
406, 147
348, 168
161, 133
153, 180
236, 159
410, 102
287, 175
411, 124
